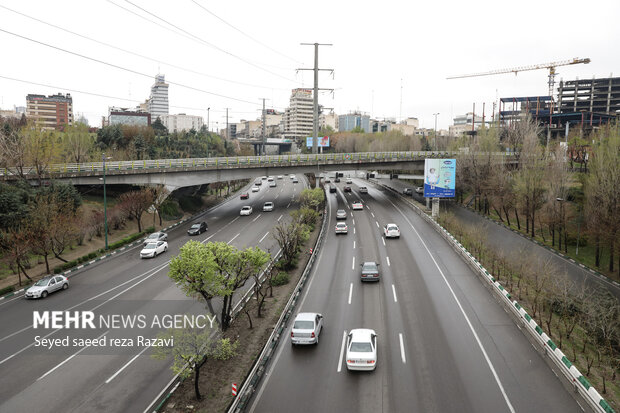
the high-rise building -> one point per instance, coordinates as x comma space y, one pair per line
590, 95
354, 120
51, 112
298, 117
158, 102
182, 122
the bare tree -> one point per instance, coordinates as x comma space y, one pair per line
135, 203
17, 246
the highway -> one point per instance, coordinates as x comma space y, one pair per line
91, 379
444, 343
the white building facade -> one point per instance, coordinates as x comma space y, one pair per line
297, 118
158, 102
181, 122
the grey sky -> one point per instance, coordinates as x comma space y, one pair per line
375, 45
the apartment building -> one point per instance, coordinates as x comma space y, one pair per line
51, 112
158, 102
298, 117
182, 122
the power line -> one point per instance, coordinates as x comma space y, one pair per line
124, 68
242, 32
208, 43
137, 54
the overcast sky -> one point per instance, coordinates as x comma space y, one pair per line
390, 58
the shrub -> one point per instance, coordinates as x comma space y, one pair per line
190, 203
7, 290
170, 210
280, 278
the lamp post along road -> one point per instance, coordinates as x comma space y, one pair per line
105, 207
435, 136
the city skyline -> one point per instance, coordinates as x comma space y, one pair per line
397, 69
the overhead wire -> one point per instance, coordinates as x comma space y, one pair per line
135, 53
124, 68
201, 40
242, 32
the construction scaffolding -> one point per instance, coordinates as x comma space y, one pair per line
590, 95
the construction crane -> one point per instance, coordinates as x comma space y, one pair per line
551, 66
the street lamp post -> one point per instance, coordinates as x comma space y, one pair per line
208, 125
105, 207
435, 137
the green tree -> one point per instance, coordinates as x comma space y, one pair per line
312, 198
192, 348
77, 143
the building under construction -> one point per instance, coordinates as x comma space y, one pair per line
586, 104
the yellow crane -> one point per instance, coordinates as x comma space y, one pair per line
551, 66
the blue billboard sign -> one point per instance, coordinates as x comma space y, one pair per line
439, 178
322, 142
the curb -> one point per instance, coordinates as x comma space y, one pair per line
571, 373
69, 272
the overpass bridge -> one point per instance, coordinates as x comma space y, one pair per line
177, 173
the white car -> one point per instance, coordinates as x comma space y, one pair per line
280, 177
246, 210
363, 190
419, 189
361, 349
292, 176
272, 184
306, 328
341, 228
349, 181
357, 205
47, 285
391, 231
268, 206
270, 179
255, 188
153, 249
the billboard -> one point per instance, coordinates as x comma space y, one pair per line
439, 177
322, 142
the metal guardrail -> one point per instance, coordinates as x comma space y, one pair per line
260, 366
580, 384
157, 165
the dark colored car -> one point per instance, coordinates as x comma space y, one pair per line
332, 188
370, 271
244, 195
407, 191
336, 180
197, 228
347, 189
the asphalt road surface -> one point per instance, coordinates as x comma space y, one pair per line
89, 379
444, 343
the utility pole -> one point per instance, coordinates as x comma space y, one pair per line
227, 123
315, 123
208, 126
264, 136
435, 140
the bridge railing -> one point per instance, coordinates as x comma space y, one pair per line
228, 162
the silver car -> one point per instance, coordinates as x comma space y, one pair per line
156, 236
47, 285
370, 271
341, 228
341, 214
306, 328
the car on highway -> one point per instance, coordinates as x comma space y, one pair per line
156, 236
357, 205
391, 231
419, 189
341, 228
295, 180
327, 180
46, 286
347, 188
291, 176
197, 228
270, 179
258, 182
268, 206
306, 328
336, 179
280, 177
363, 190
341, 214
153, 249
244, 195
263, 177
370, 271
332, 189
255, 188
361, 349
246, 210
272, 184
349, 181
407, 191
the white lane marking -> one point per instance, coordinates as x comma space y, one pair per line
353, 230
12, 299
353, 264
233, 238
347, 204
258, 216
368, 207
373, 214
388, 260
377, 224
70, 357
353, 244
402, 348
351, 213
125, 366
394, 292
383, 240
289, 204
350, 292
353, 220
279, 218
471, 327
344, 341
261, 240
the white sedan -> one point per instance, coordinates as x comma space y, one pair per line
391, 231
153, 249
255, 188
361, 349
47, 285
357, 205
268, 206
341, 228
246, 210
